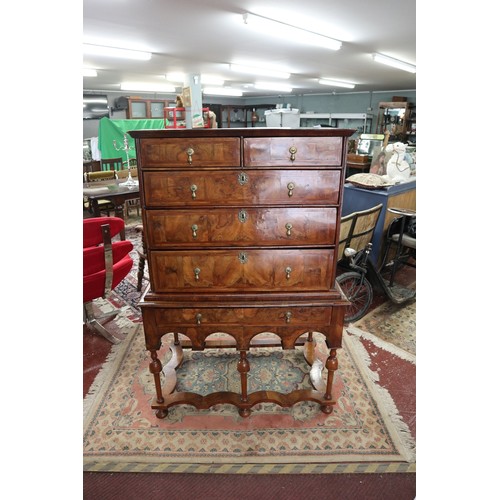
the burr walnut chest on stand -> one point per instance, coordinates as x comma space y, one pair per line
240, 230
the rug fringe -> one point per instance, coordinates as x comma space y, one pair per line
103, 376
387, 346
388, 408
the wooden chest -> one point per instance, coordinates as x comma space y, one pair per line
241, 229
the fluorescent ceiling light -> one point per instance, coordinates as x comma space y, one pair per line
148, 87
395, 63
334, 83
222, 91
240, 68
273, 86
289, 32
89, 72
205, 79
99, 50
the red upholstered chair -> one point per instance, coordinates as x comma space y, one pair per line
105, 264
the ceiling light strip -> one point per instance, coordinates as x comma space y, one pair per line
335, 83
100, 50
258, 71
290, 32
395, 63
147, 87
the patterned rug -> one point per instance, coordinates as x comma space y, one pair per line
392, 327
121, 433
364, 433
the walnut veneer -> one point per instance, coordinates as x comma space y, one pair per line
241, 229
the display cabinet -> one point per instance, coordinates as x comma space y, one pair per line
146, 108
360, 121
396, 118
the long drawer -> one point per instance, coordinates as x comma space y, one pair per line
241, 270
308, 226
236, 187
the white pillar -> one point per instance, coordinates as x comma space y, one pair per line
194, 113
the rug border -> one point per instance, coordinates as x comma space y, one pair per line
399, 431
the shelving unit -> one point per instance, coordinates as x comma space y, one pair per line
176, 117
244, 116
333, 120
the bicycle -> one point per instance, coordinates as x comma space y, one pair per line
359, 282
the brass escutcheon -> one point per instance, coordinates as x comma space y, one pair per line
243, 257
242, 215
242, 178
198, 318
197, 272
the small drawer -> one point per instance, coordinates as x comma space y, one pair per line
288, 151
190, 152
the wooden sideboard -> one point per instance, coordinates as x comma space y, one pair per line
240, 230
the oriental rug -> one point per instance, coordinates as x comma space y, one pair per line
391, 327
364, 433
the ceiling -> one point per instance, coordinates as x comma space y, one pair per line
204, 36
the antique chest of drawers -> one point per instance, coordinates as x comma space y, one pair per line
240, 231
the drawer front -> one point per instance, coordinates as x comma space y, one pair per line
268, 316
288, 151
237, 187
188, 153
241, 270
308, 226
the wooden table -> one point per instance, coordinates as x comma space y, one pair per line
110, 190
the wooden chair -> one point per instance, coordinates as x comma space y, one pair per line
104, 205
105, 264
357, 228
401, 234
111, 164
136, 202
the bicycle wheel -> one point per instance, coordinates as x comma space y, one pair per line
359, 292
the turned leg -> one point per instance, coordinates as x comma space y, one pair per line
244, 368
155, 368
331, 365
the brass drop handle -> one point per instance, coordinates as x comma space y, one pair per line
288, 316
194, 187
190, 153
198, 318
194, 228
288, 228
288, 271
197, 272
291, 187
293, 151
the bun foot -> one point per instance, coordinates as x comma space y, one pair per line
244, 412
161, 413
327, 409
